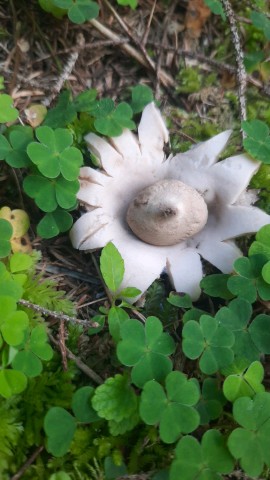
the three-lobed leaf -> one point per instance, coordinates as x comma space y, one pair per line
146, 349
173, 409
54, 155
205, 461
209, 341
250, 444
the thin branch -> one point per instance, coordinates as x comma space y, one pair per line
27, 464
146, 33
82, 366
57, 315
241, 72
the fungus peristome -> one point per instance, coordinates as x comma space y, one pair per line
216, 208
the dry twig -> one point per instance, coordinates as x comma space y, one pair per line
82, 366
57, 315
241, 72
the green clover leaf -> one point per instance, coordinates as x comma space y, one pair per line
53, 223
116, 317
54, 155
48, 194
6, 234
244, 382
249, 280
259, 331
205, 461
261, 22
14, 152
216, 7
13, 323
211, 402
257, 142
174, 409
116, 401
60, 427
131, 3
79, 11
63, 113
81, 405
250, 444
146, 348
216, 285
141, 95
25, 361
8, 284
111, 120
7, 112
210, 342
236, 317
12, 383
262, 243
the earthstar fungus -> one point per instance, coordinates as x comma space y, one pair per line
165, 213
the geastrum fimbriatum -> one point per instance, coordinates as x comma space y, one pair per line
166, 213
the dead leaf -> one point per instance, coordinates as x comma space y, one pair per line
20, 223
196, 16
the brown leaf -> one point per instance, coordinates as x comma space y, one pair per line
196, 16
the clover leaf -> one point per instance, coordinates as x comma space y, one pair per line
205, 461
172, 409
6, 234
13, 323
63, 113
146, 348
244, 382
209, 341
257, 142
211, 402
59, 426
131, 3
116, 401
14, 151
11, 382
8, 284
141, 95
79, 11
249, 280
262, 243
7, 112
261, 22
111, 120
49, 193
251, 443
260, 333
216, 285
236, 317
216, 7
54, 155
116, 317
81, 405
53, 223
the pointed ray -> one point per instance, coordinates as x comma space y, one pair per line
232, 176
127, 145
221, 254
109, 158
206, 153
233, 221
93, 230
185, 271
153, 134
91, 175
